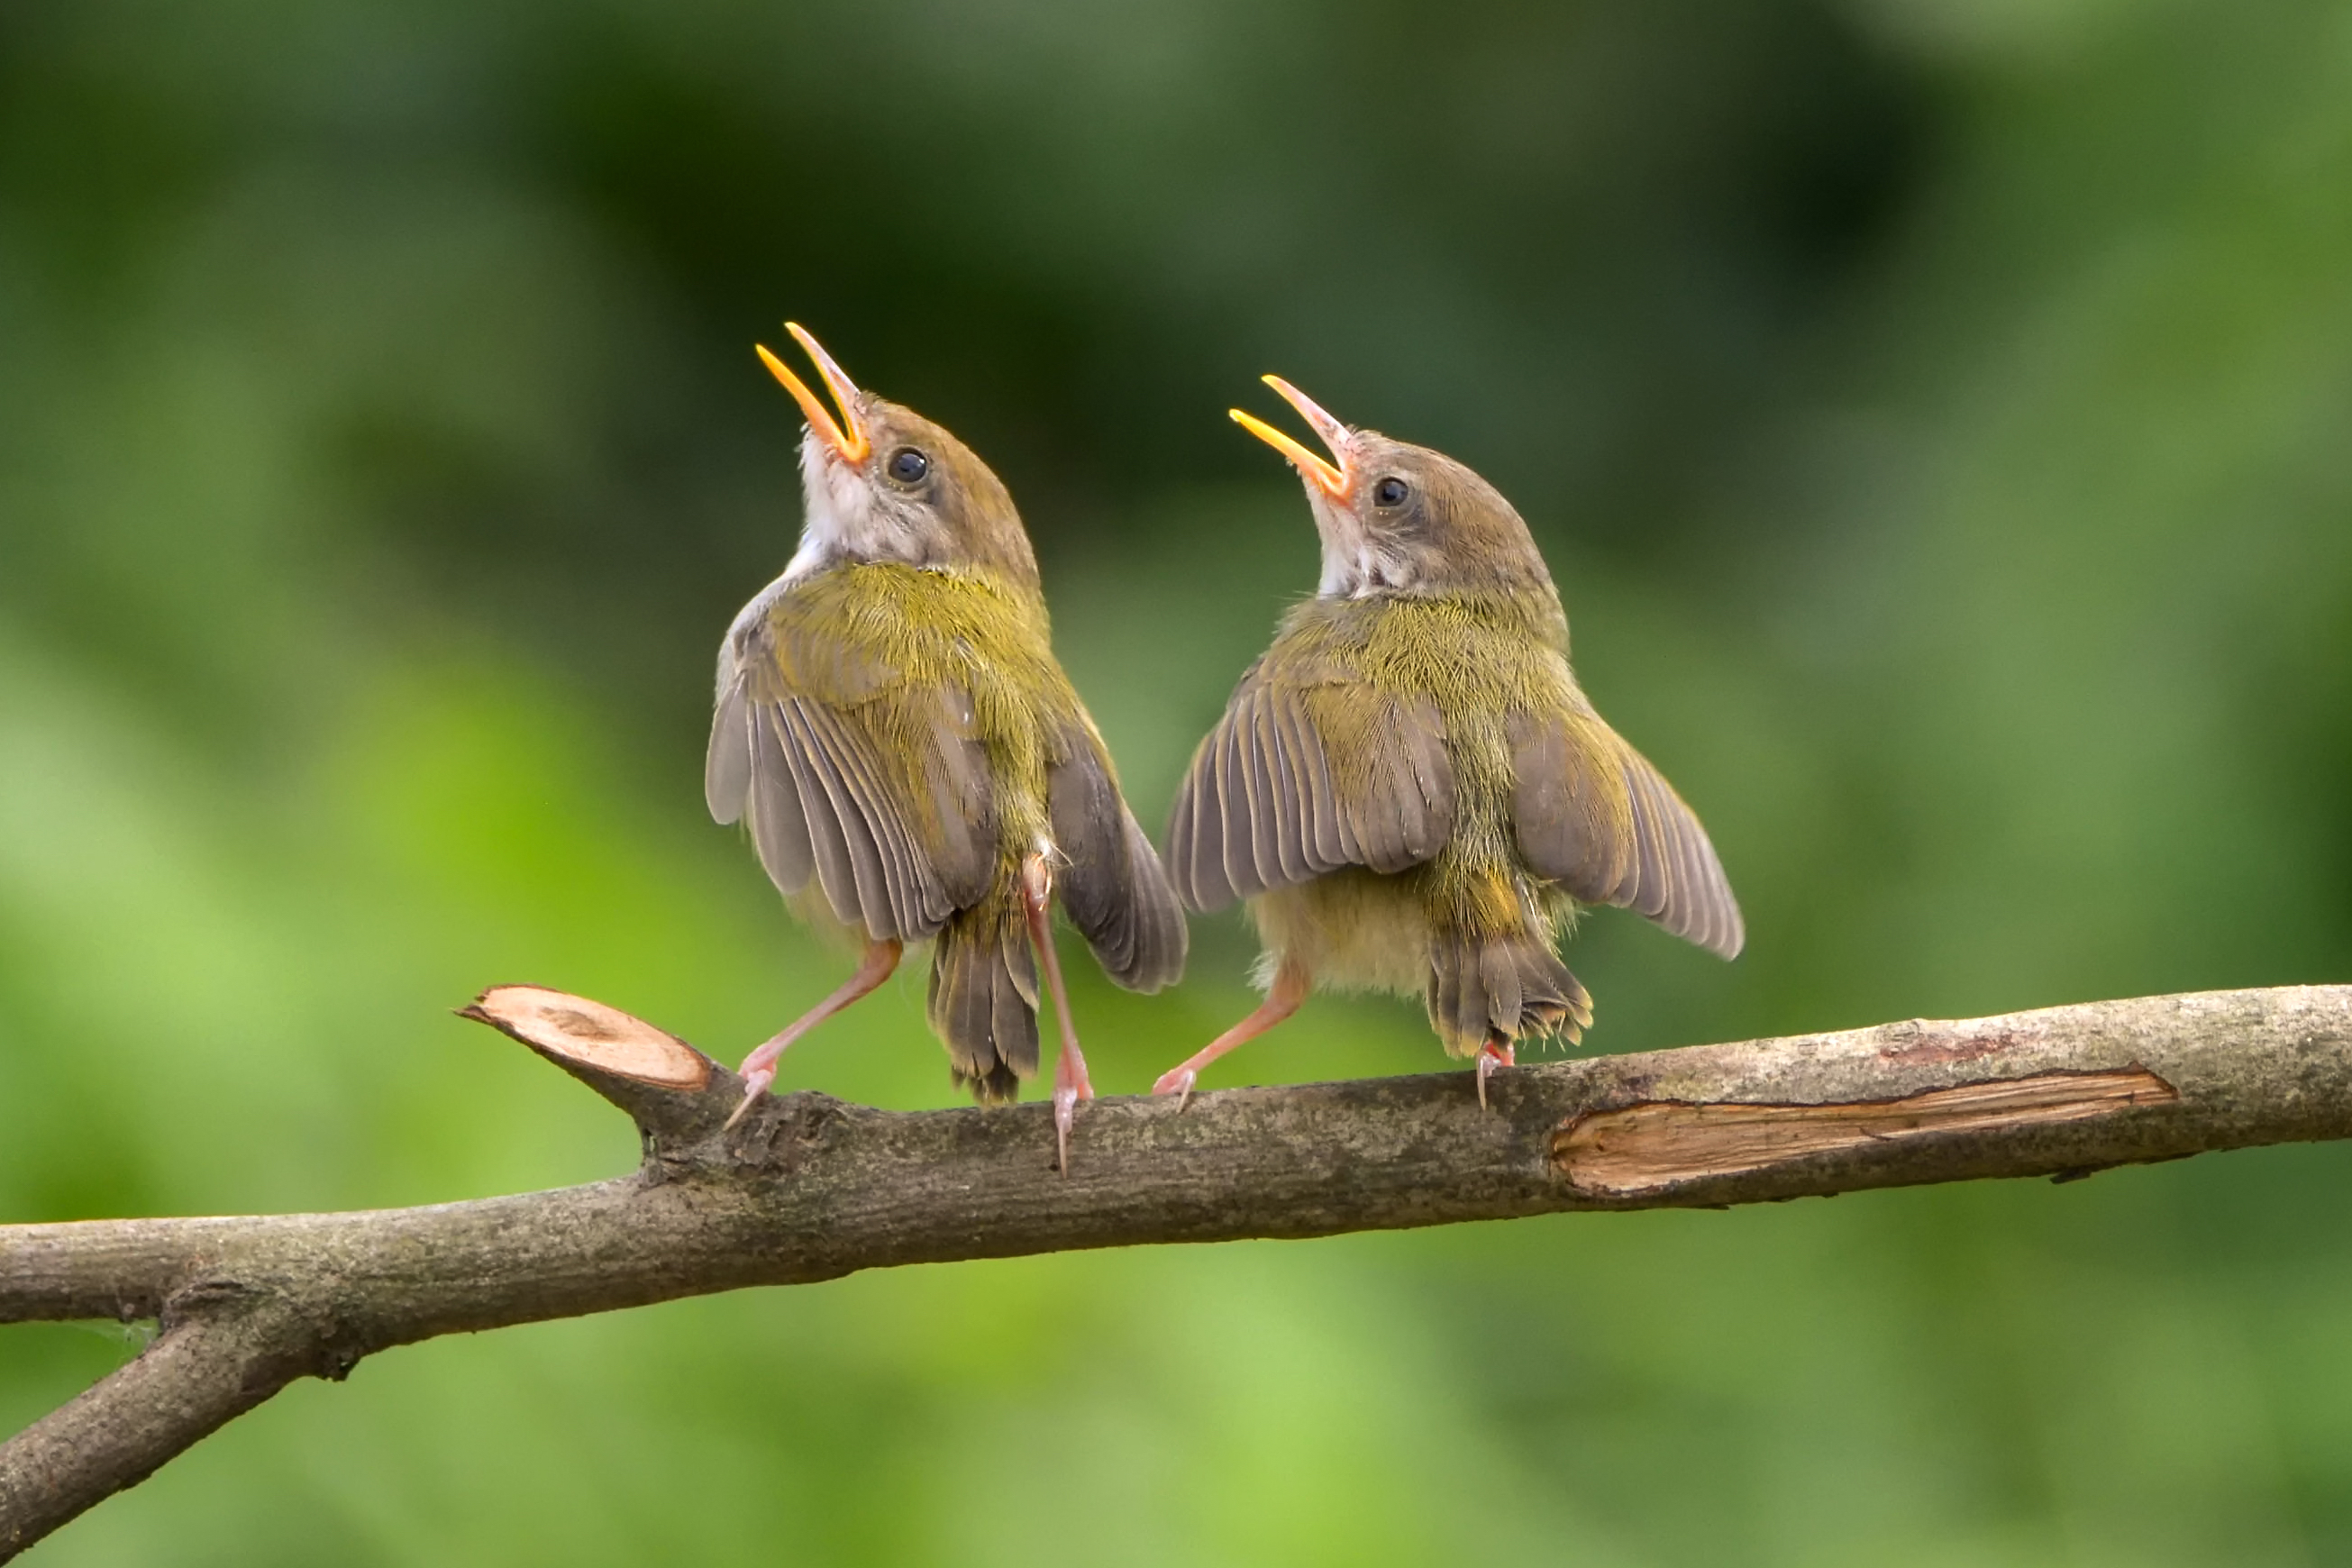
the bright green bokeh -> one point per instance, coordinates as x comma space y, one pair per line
1938, 415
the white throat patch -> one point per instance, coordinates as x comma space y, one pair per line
842, 522
1353, 565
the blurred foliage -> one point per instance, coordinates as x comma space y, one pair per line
1935, 412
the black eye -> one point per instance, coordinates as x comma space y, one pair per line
1389, 491
908, 465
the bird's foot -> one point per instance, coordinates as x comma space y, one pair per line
1065, 1116
1176, 1081
1291, 984
759, 1068
1493, 1055
756, 1081
1070, 1085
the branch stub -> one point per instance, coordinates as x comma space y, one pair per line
582, 1032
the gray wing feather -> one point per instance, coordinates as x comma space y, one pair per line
963, 801
779, 825
1406, 815
1654, 848
1429, 808
1113, 886
1232, 803
917, 903
1184, 833
1262, 806
883, 876
846, 860
892, 885
1324, 848
791, 745
1277, 775
1591, 812
829, 850
1265, 806
727, 766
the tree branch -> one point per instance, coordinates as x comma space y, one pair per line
808, 1187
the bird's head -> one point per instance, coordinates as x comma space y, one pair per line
883, 483
1395, 518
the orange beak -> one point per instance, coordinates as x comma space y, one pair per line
1336, 480
848, 438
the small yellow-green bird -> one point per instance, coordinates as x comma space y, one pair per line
1409, 790
911, 760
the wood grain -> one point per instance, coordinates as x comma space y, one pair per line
1655, 1145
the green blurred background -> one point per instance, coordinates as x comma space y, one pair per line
1937, 412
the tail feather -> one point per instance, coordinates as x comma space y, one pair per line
1501, 989
983, 1002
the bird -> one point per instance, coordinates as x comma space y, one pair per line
1409, 790
912, 763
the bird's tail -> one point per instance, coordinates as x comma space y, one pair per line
983, 999
1501, 987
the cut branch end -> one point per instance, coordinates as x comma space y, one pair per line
578, 1032
669, 1087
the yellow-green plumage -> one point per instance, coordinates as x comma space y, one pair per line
893, 727
1409, 790
884, 639
1478, 664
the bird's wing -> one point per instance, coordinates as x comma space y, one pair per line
1591, 812
1113, 886
1304, 777
878, 789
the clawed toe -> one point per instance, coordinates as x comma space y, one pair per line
1491, 1056
1065, 1116
755, 1084
1178, 1082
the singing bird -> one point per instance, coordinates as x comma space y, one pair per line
1409, 790
912, 762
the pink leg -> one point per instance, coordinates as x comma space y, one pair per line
1491, 1055
759, 1068
1291, 984
1070, 1085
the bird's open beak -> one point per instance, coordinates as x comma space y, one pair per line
848, 438
1336, 480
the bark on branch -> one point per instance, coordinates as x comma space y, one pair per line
808, 1187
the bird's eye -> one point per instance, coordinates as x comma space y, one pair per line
908, 465
1389, 491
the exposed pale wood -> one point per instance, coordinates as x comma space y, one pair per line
602, 1040
1658, 1144
809, 1188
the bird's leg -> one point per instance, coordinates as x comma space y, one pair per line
1291, 984
759, 1068
1070, 1085
1497, 1052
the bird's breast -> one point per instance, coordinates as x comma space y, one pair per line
1355, 929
